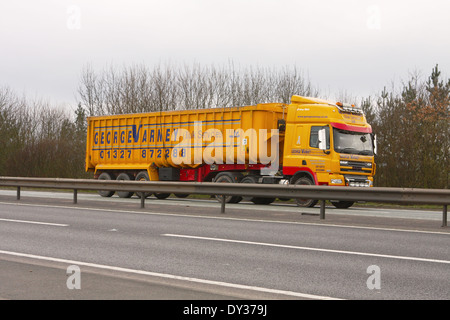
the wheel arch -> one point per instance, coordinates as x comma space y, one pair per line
304, 173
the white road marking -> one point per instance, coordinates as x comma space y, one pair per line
36, 222
308, 248
224, 218
170, 276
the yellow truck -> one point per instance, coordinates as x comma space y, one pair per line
309, 141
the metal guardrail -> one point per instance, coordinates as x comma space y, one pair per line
374, 194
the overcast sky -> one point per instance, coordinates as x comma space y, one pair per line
356, 46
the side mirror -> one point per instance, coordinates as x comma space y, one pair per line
374, 142
322, 135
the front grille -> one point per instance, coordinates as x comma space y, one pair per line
356, 166
356, 169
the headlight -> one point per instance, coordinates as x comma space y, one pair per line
366, 183
336, 181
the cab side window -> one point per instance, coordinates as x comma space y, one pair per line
314, 137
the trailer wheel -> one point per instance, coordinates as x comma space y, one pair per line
305, 202
342, 204
105, 193
124, 194
181, 195
143, 176
256, 200
162, 195
263, 200
249, 179
229, 177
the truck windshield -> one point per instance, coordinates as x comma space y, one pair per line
352, 142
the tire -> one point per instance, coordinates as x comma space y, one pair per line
342, 204
181, 195
228, 178
305, 202
263, 200
105, 193
162, 195
124, 194
143, 176
249, 179
256, 200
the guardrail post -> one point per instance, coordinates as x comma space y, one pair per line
75, 196
142, 200
18, 193
322, 209
222, 206
444, 216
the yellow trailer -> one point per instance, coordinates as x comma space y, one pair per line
178, 139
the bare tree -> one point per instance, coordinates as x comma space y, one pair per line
167, 87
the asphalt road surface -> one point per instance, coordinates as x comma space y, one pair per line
182, 249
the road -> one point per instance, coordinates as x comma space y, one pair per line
186, 249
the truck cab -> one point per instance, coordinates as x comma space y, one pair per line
327, 144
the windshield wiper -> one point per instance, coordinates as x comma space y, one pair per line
366, 152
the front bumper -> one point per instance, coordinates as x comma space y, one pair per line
351, 180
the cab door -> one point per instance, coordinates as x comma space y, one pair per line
294, 145
319, 161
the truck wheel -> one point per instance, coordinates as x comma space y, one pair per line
124, 194
162, 195
305, 202
263, 200
105, 193
342, 204
228, 178
256, 200
143, 176
249, 179
181, 195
